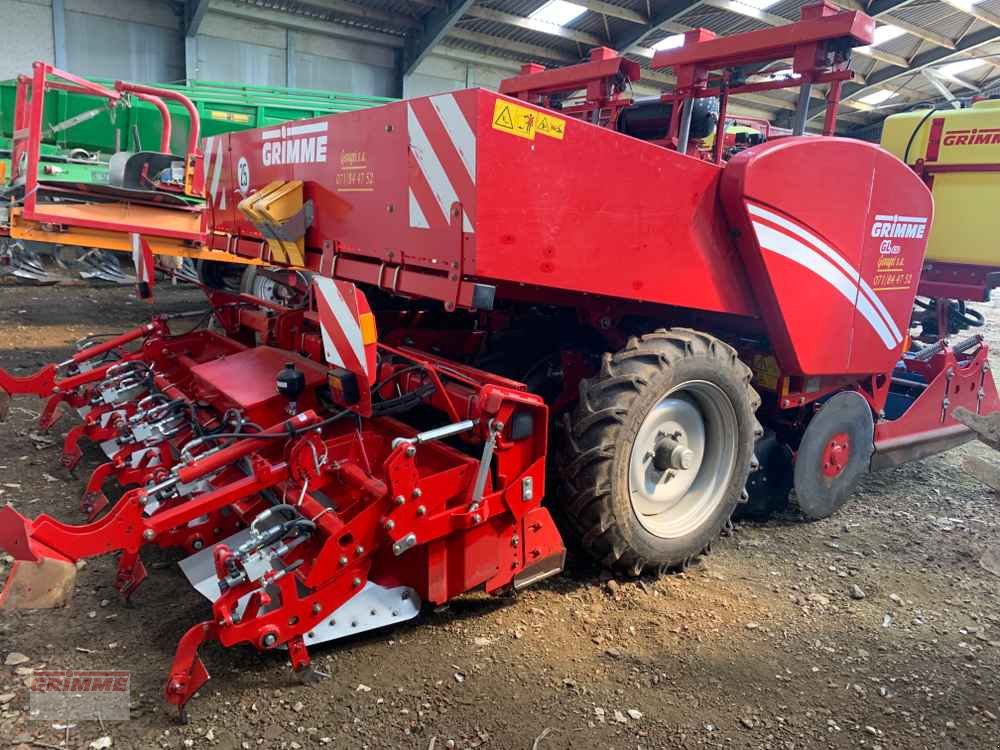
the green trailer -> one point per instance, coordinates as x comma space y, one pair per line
222, 108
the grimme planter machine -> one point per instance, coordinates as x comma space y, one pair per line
532, 259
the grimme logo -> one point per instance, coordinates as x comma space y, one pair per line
973, 137
59, 694
295, 144
899, 227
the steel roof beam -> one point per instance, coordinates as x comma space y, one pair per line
530, 51
919, 62
303, 23
194, 14
357, 10
615, 11
659, 20
435, 27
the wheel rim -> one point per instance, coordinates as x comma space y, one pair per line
265, 288
683, 459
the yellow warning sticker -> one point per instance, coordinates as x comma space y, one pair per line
229, 116
524, 122
551, 126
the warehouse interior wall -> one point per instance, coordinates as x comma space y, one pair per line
233, 50
25, 35
436, 74
143, 40
138, 40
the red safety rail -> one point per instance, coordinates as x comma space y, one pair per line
819, 46
604, 79
27, 140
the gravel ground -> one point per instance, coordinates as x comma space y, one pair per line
877, 628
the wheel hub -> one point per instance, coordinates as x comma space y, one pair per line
682, 459
671, 454
836, 454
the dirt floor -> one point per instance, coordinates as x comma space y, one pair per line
877, 628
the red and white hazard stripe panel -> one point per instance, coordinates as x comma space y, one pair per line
443, 160
213, 148
347, 325
145, 270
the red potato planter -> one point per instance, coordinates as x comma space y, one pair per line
693, 326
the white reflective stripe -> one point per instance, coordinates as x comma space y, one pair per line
209, 142
270, 135
309, 127
789, 247
417, 218
458, 130
432, 170
348, 323
218, 172
837, 258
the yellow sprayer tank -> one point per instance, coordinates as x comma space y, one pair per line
958, 150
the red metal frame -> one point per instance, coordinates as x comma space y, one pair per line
371, 499
604, 80
958, 281
817, 45
29, 125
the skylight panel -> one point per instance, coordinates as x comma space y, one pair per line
758, 4
886, 33
960, 66
558, 12
877, 97
670, 42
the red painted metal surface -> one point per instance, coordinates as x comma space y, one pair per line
28, 118
523, 216
835, 280
836, 455
953, 375
820, 23
960, 281
354, 501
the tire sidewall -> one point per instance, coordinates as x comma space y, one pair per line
729, 380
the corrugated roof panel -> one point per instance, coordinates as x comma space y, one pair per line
993, 6
790, 9
905, 45
516, 34
720, 21
934, 16
394, 16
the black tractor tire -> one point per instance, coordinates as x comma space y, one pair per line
769, 486
216, 274
597, 443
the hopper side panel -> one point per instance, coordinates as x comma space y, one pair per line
565, 204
